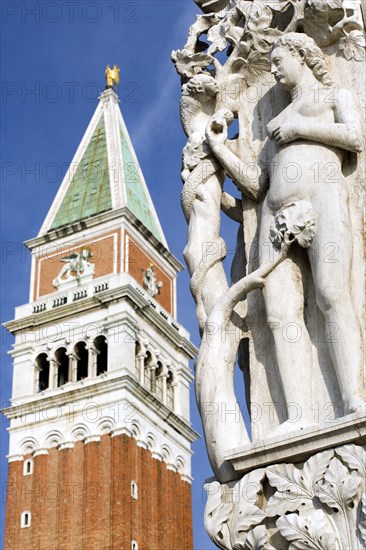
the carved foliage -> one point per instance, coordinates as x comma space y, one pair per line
306, 533
217, 514
247, 513
245, 30
320, 505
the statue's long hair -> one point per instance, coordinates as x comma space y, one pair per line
314, 57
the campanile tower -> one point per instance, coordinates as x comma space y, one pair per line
100, 434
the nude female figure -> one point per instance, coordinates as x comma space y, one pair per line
308, 140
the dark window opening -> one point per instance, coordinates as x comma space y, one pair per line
43, 366
137, 362
81, 354
147, 372
159, 381
28, 467
170, 391
101, 346
62, 361
25, 519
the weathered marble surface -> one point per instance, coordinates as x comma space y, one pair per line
291, 73
317, 502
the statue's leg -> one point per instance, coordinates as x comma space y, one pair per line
284, 300
330, 257
59, 279
205, 250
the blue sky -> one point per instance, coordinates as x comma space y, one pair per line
53, 60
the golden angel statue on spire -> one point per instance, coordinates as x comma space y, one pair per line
112, 76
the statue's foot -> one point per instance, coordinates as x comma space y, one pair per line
355, 405
293, 426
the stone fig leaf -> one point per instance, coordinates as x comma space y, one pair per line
216, 35
291, 494
260, 17
234, 34
339, 487
353, 46
216, 516
188, 64
306, 533
256, 67
355, 458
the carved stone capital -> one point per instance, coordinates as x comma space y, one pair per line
318, 504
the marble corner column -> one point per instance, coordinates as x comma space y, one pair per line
307, 491
293, 80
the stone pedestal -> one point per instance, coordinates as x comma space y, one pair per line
302, 491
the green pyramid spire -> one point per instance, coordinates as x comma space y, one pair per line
89, 191
136, 193
107, 175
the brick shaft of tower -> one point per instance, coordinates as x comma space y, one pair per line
100, 433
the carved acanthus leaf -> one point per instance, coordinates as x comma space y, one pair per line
354, 456
257, 539
362, 526
296, 488
308, 533
339, 487
216, 516
325, 492
252, 516
315, 468
246, 513
290, 494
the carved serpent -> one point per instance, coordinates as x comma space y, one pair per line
216, 360
188, 196
198, 278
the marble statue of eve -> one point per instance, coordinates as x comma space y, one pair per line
307, 139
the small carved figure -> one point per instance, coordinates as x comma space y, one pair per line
201, 198
76, 265
150, 282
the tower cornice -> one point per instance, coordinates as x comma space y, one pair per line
125, 382
123, 213
138, 301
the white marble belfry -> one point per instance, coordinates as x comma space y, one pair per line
289, 76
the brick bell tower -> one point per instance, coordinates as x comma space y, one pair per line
100, 433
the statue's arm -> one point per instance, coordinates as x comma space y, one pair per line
216, 134
345, 132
